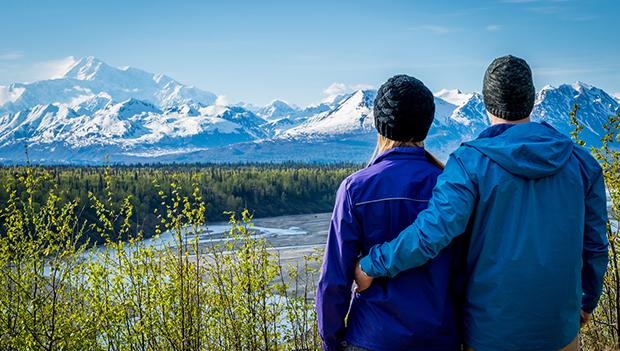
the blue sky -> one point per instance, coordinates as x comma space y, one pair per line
256, 51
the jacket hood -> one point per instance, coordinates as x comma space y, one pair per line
530, 150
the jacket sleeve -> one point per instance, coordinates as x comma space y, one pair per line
336, 280
446, 217
595, 244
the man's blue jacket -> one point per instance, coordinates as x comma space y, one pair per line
534, 207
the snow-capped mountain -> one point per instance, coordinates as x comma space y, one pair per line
132, 128
278, 109
90, 78
130, 115
352, 116
595, 106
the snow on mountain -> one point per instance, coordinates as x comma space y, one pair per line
617, 96
553, 105
135, 116
133, 127
89, 77
351, 116
277, 127
42, 121
454, 96
278, 109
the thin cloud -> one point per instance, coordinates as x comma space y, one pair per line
545, 10
435, 29
531, 1
519, 1
11, 55
53, 69
493, 28
562, 71
221, 100
219, 106
13, 70
583, 18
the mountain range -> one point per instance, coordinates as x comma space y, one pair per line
97, 113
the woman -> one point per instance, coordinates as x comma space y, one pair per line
414, 310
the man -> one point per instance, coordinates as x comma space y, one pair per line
533, 207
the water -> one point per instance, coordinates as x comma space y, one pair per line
293, 236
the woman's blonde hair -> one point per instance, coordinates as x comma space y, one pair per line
385, 144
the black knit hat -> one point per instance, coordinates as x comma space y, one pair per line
404, 109
508, 89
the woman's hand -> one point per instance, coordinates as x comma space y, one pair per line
585, 316
362, 280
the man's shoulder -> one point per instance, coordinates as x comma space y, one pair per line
586, 158
590, 167
469, 157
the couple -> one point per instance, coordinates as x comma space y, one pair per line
504, 249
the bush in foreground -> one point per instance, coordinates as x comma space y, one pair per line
56, 293
603, 332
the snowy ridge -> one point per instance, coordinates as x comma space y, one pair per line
131, 116
554, 104
351, 116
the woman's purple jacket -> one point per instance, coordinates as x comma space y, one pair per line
412, 311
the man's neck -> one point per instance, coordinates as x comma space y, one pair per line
496, 120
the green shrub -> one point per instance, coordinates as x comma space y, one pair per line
57, 293
603, 332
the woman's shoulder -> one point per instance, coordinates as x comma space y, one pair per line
393, 173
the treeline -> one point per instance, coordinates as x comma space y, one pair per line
265, 189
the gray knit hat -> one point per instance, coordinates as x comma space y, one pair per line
508, 89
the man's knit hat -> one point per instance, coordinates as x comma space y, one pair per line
404, 109
508, 89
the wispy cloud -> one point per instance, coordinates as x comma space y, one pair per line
219, 106
518, 1
53, 68
580, 18
11, 55
562, 71
435, 29
545, 10
541, 7
14, 70
493, 28
531, 1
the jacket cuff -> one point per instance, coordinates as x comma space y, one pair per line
367, 266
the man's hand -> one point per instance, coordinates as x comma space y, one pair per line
585, 316
362, 280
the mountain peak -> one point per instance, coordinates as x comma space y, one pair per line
547, 87
368, 95
278, 102
85, 68
132, 107
277, 109
448, 91
578, 85
454, 96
